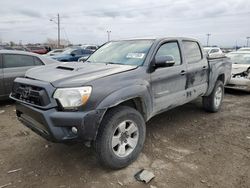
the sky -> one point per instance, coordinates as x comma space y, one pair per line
28, 21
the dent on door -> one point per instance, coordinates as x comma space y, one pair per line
168, 87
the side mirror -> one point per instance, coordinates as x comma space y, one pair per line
83, 59
164, 61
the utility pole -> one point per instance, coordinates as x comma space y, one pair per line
58, 29
248, 41
208, 36
108, 32
58, 26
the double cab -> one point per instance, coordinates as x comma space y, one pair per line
108, 99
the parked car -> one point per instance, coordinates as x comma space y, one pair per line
89, 47
108, 99
240, 79
38, 49
14, 64
244, 49
72, 54
21, 48
213, 52
6, 48
55, 52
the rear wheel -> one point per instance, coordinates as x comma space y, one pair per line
213, 102
121, 137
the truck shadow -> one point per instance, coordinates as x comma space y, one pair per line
6, 102
236, 92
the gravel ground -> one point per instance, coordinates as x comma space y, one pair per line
185, 147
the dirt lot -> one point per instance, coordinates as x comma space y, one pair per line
185, 147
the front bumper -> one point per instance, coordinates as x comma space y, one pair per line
56, 126
239, 84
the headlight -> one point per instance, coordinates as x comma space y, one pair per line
73, 97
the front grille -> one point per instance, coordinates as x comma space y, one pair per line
30, 94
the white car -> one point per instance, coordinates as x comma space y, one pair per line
54, 52
240, 79
90, 47
214, 52
244, 49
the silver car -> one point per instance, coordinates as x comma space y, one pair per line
240, 79
14, 64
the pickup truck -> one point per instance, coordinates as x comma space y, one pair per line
106, 100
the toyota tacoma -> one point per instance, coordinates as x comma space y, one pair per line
107, 100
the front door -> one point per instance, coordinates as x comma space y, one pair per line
168, 83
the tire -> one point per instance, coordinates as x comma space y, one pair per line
113, 152
213, 102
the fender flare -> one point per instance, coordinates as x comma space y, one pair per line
128, 93
213, 78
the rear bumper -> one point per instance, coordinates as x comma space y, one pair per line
239, 84
56, 126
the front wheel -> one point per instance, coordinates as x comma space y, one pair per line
213, 102
120, 138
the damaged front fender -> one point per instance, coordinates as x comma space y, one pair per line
240, 79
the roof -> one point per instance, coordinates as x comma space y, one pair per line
18, 52
45, 59
159, 38
240, 52
211, 48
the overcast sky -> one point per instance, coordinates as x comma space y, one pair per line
228, 21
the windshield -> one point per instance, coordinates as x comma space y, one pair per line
122, 52
240, 58
67, 52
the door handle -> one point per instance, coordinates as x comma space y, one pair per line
182, 72
204, 67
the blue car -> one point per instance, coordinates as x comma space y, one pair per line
72, 55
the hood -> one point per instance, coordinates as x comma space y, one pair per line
75, 74
239, 68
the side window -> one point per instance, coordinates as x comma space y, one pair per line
37, 61
170, 49
192, 51
13, 60
77, 52
87, 51
214, 51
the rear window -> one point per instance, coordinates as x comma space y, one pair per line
37, 61
192, 51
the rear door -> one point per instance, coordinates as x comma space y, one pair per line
197, 69
168, 83
15, 65
1, 78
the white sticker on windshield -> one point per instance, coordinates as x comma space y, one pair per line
135, 55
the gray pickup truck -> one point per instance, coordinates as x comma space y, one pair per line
107, 100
